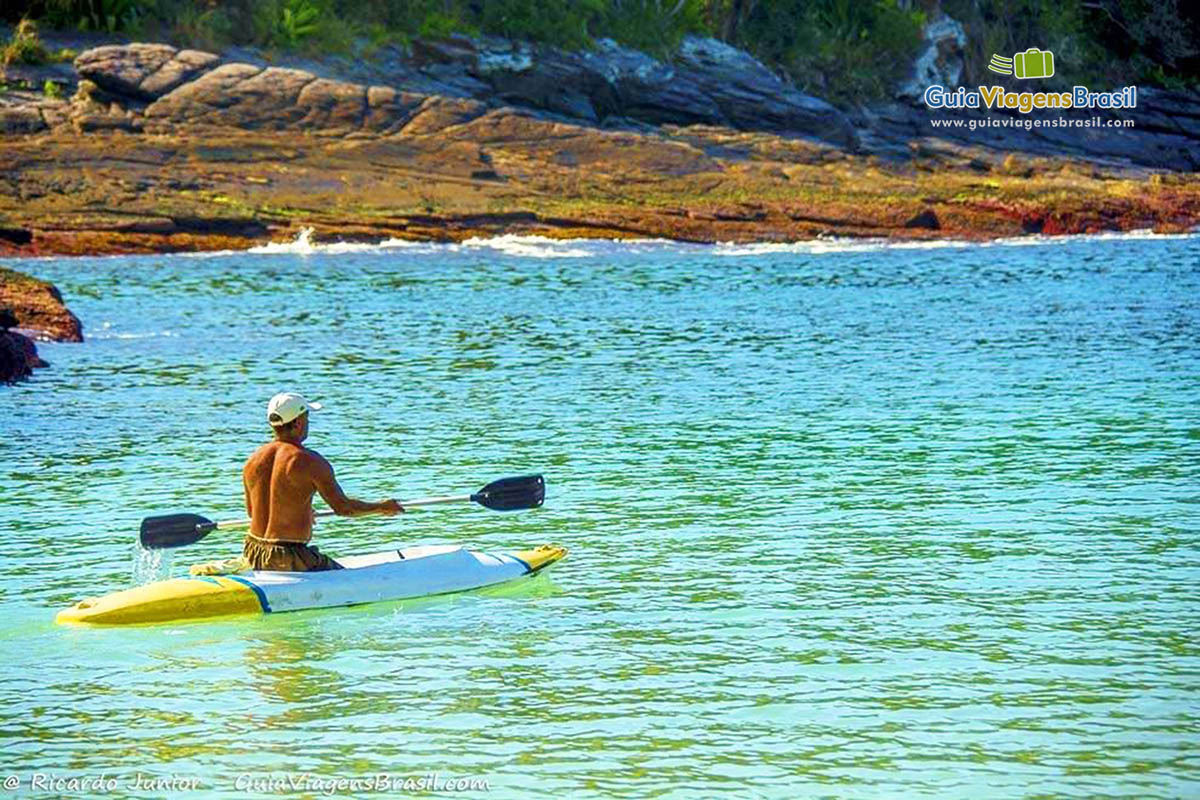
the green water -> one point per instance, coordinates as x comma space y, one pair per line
845, 521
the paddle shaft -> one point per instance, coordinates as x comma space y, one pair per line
505, 494
407, 504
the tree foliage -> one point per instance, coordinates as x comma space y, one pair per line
1098, 42
847, 50
24, 47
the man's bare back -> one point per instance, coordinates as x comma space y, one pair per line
280, 479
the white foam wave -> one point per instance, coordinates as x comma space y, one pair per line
1042, 239
526, 246
531, 246
301, 245
304, 245
106, 332
150, 335
830, 245
848, 245
511, 244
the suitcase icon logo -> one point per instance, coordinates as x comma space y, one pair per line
1033, 63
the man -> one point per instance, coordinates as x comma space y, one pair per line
280, 480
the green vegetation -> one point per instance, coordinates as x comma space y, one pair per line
1101, 43
24, 47
51, 89
298, 21
841, 49
846, 50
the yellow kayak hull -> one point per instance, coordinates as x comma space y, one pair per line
391, 575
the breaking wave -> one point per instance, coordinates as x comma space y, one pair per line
527, 246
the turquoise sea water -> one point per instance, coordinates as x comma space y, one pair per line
845, 520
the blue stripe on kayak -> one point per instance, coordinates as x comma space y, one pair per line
262, 597
520, 561
213, 581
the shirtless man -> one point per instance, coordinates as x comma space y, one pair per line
280, 480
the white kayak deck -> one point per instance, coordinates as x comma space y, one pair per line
388, 575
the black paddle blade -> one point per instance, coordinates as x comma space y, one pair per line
174, 530
512, 494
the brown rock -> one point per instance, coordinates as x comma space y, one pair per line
55, 113
21, 120
332, 105
438, 113
265, 99
121, 68
94, 123
243, 96
38, 307
214, 97
389, 110
18, 357
185, 66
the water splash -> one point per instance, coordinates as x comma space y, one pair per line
304, 245
150, 565
301, 245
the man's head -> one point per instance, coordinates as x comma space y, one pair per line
288, 414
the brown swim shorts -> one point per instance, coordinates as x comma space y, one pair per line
285, 556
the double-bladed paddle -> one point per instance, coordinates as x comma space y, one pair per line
506, 494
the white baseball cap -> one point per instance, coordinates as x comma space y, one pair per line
286, 406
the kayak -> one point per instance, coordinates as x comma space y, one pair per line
390, 575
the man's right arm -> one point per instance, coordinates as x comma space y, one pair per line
246, 490
327, 486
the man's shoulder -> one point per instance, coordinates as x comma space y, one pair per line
304, 457
260, 452
315, 458
289, 456
279, 451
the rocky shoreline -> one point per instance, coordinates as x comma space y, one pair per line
30, 309
162, 149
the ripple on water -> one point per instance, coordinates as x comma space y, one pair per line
846, 519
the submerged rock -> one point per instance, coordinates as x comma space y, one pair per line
18, 353
18, 357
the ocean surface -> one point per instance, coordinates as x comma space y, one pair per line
846, 520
